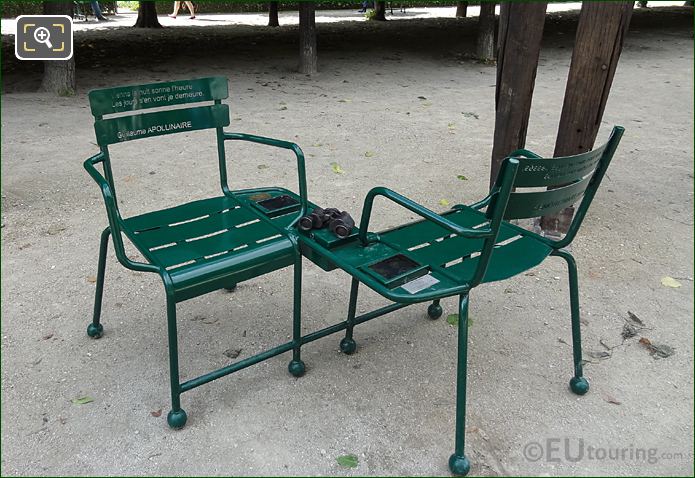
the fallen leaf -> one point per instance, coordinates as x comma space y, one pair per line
634, 318
462, 177
662, 351
421, 98
601, 354
55, 229
344, 100
629, 331
670, 282
92, 279
47, 336
453, 320
282, 108
317, 145
610, 399
451, 126
368, 154
82, 400
232, 353
262, 166
443, 202
470, 114
337, 169
156, 414
348, 461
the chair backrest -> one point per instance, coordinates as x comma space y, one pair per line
574, 177
129, 123
578, 177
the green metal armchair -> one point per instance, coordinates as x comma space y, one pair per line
452, 253
204, 245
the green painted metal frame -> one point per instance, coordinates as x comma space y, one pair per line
582, 173
201, 117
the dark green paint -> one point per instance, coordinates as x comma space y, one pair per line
145, 125
131, 98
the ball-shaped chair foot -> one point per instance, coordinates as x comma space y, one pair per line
579, 385
95, 331
296, 368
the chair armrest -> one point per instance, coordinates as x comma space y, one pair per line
417, 209
299, 154
476, 205
114, 216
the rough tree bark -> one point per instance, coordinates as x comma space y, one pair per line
461, 9
273, 20
485, 48
521, 31
308, 61
59, 75
147, 16
380, 11
597, 47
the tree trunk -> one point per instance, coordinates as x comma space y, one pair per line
147, 16
307, 38
59, 75
485, 50
597, 47
461, 9
273, 20
380, 11
521, 31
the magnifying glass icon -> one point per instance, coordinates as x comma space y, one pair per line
42, 35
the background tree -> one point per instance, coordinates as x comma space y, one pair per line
59, 76
147, 16
461, 9
380, 11
273, 20
485, 47
521, 32
598, 43
308, 55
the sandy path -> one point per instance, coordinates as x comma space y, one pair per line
392, 403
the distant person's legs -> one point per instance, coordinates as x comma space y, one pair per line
177, 5
190, 8
97, 11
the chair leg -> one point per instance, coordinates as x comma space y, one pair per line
578, 384
348, 344
458, 463
177, 416
296, 367
95, 329
434, 311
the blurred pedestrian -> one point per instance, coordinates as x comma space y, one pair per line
177, 5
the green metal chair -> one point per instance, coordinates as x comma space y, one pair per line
452, 253
201, 246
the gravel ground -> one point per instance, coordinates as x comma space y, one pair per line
392, 403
